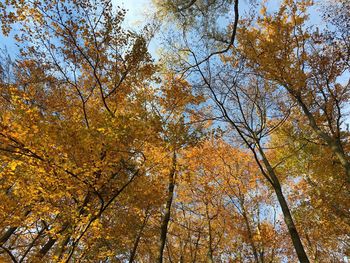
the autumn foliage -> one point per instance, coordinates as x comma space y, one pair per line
231, 147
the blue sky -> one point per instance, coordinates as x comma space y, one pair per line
137, 11
138, 14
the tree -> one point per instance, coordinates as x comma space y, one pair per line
220, 205
177, 135
317, 184
67, 151
233, 147
307, 65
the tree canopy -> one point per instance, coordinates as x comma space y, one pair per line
230, 145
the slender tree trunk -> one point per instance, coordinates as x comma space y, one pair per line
196, 248
250, 235
288, 219
8, 233
166, 217
51, 242
32, 244
48, 245
138, 238
210, 258
291, 226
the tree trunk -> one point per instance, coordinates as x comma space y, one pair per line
250, 235
291, 226
7, 235
51, 242
210, 258
138, 238
32, 244
288, 219
166, 217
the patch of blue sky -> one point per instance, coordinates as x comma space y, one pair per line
138, 14
8, 44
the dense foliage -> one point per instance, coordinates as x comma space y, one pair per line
232, 147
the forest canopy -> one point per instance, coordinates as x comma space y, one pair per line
229, 143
